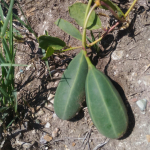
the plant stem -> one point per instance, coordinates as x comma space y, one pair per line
71, 48
108, 31
85, 23
131, 7
112, 11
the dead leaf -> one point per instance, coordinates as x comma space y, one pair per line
148, 138
47, 138
73, 144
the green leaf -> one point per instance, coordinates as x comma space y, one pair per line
3, 92
69, 28
7, 18
114, 7
49, 53
71, 89
9, 64
3, 109
105, 105
49, 41
77, 11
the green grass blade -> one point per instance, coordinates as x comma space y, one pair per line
11, 37
7, 18
46, 62
6, 50
28, 25
2, 59
15, 100
1, 13
3, 109
11, 123
3, 92
9, 64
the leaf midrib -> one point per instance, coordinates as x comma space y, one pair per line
72, 87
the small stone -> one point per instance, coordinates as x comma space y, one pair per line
39, 113
52, 67
47, 138
23, 144
42, 140
73, 144
38, 107
116, 55
46, 117
55, 116
32, 110
142, 104
56, 74
56, 83
47, 125
51, 97
33, 132
148, 138
37, 121
18, 75
55, 132
134, 100
29, 66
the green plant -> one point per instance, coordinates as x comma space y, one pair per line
8, 94
64, 101
104, 103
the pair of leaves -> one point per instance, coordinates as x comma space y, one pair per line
50, 43
77, 12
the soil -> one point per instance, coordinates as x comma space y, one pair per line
124, 58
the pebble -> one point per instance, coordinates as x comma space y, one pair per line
73, 144
55, 116
52, 67
39, 113
148, 138
46, 117
116, 55
51, 98
47, 138
29, 66
18, 75
38, 107
55, 132
56, 74
23, 144
47, 125
142, 104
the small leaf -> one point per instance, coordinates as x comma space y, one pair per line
77, 11
114, 7
46, 41
69, 28
49, 53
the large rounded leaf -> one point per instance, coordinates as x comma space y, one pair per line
105, 105
71, 89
